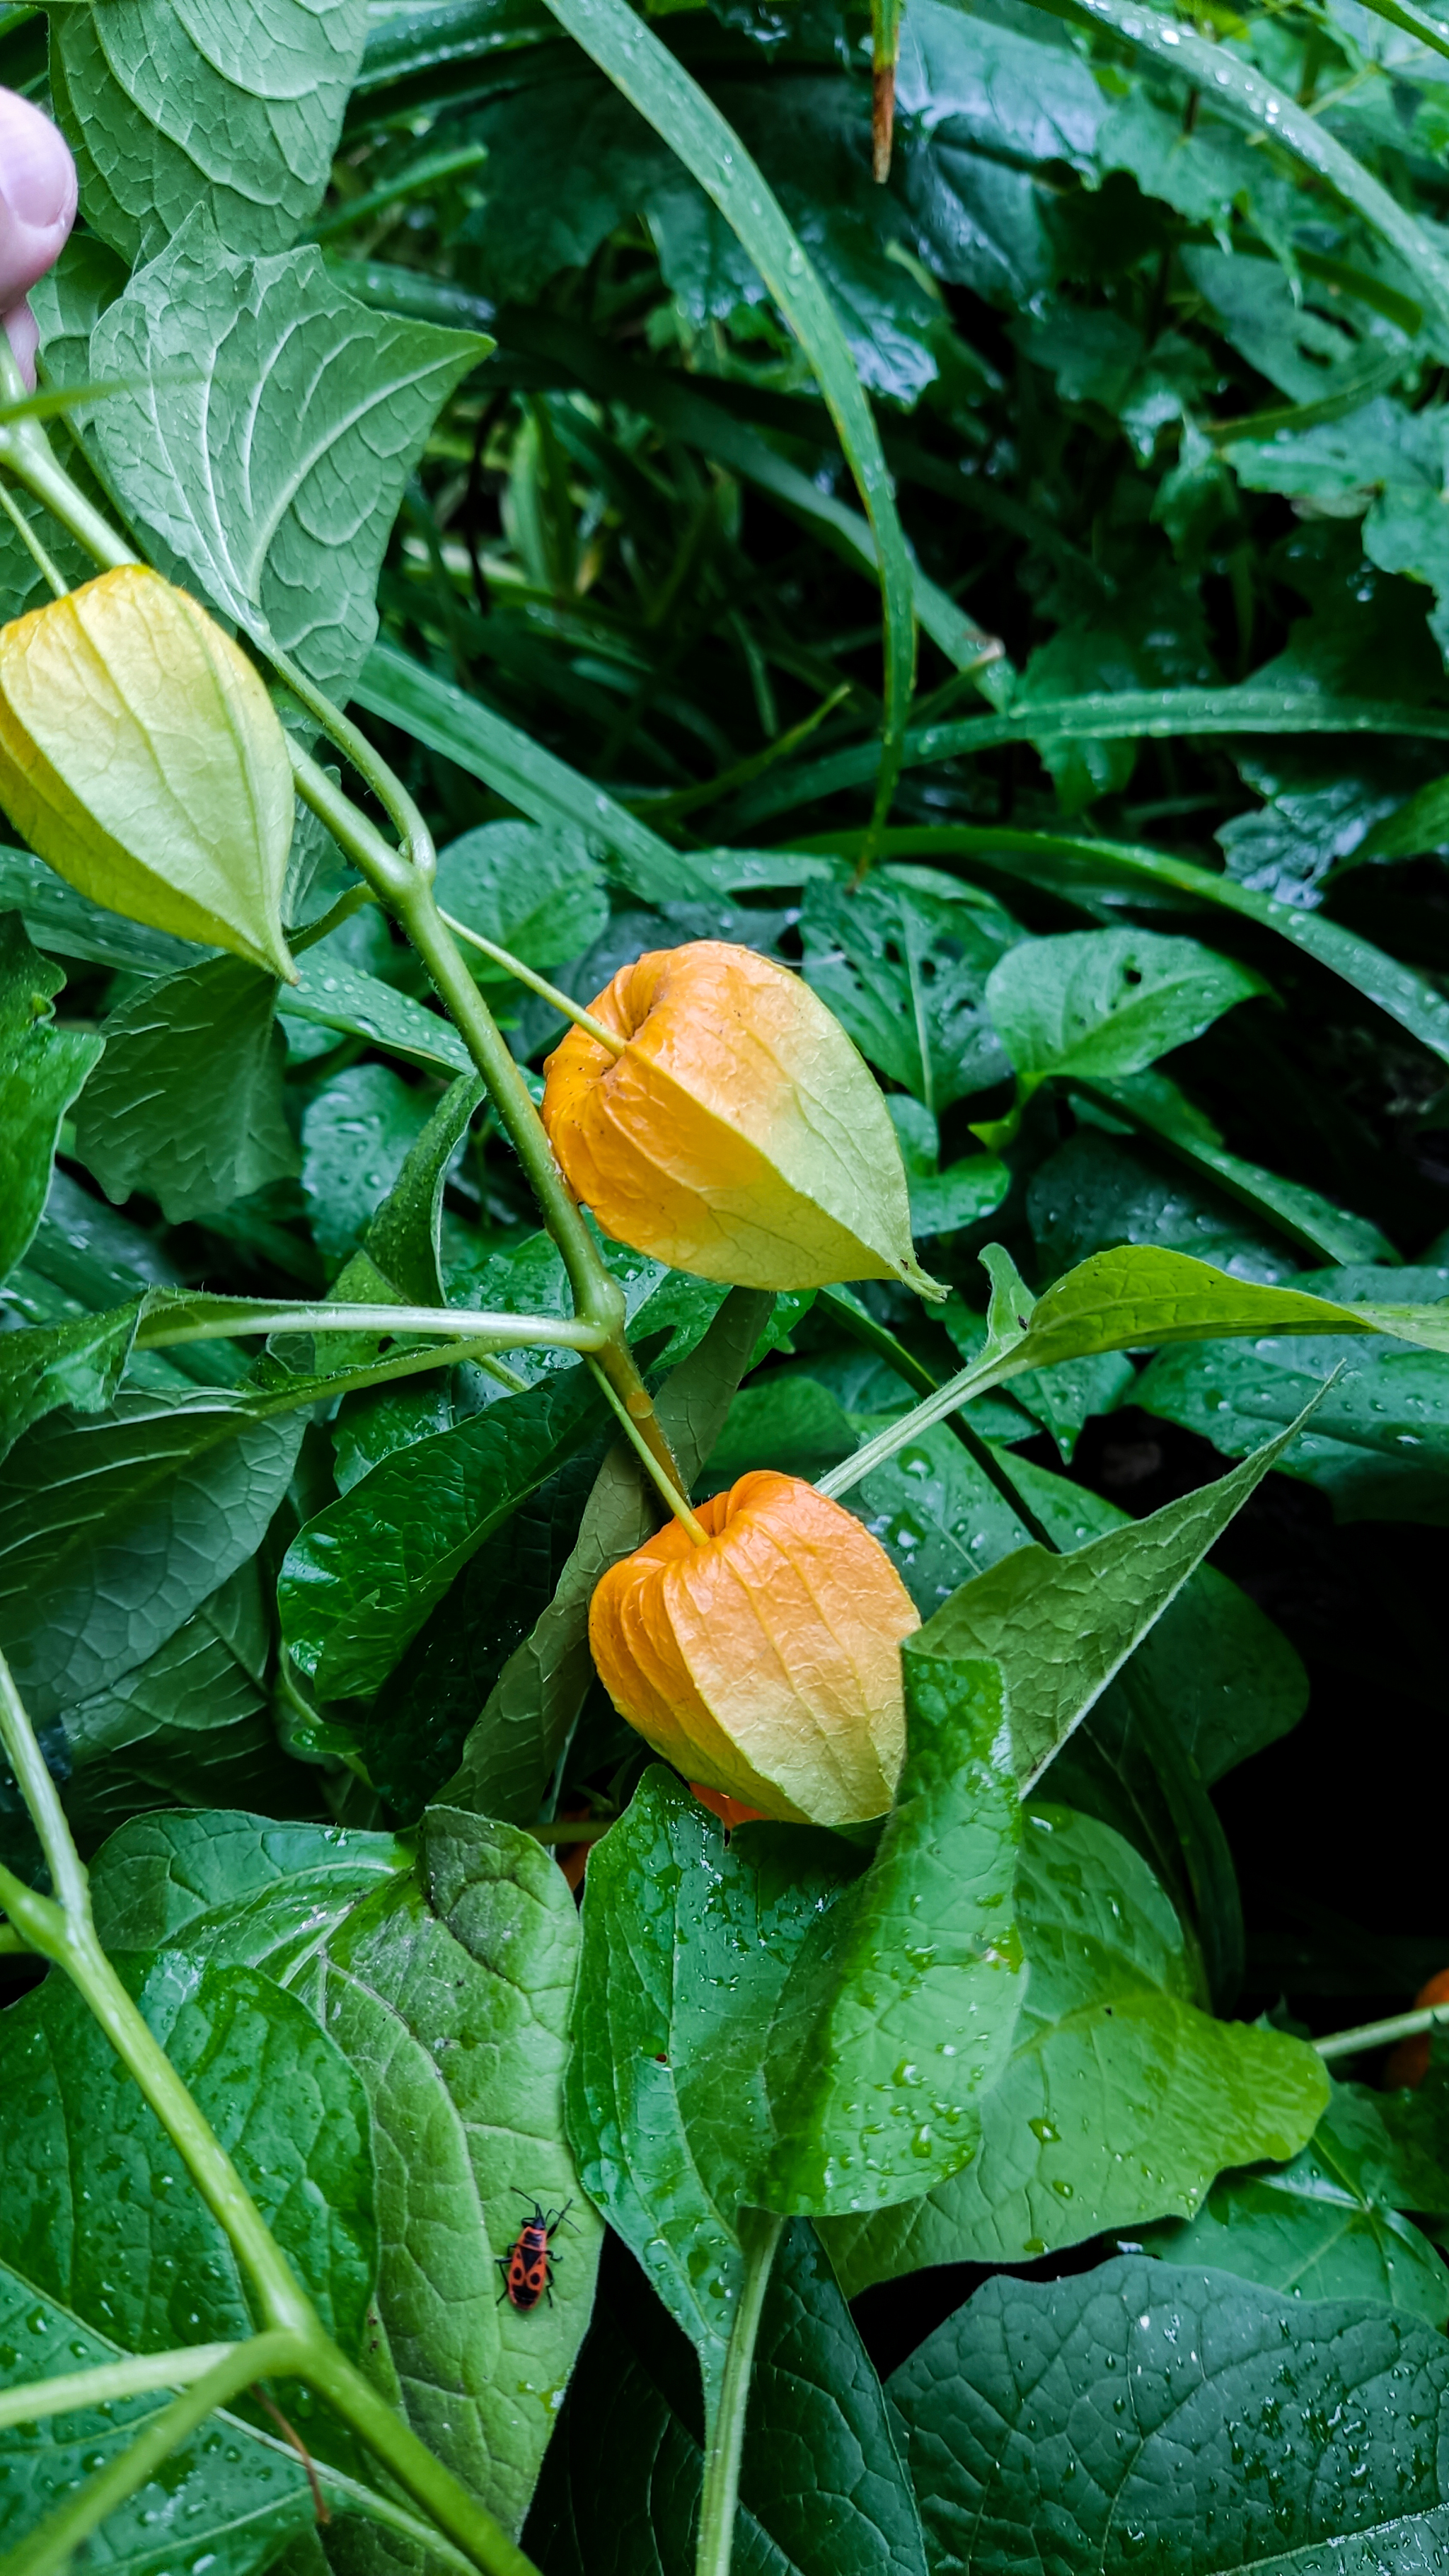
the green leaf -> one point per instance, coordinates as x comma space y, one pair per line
187, 1103
331, 994
943, 1201
357, 1130
1312, 2428
65, 923
41, 1070
192, 1723
147, 2262
1107, 1001
78, 1364
862, 2104
822, 2490
1379, 1443
263, 435
903, 963
655, 82
451, 1999
1152, 1102
361, 1578
1140, 1296
236, 2501
1099, 1191
1239, 90
1120, 2101
113, 1532
238, 111
481, 743
1327, 2226
526, 1718
405, 1238
1085, 868
1062, 1626
786, 1422
236, 1890
763, 2026
540, 894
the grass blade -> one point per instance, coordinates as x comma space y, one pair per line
677, 108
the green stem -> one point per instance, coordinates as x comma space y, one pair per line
668, 1490
48, 2550
872, 1336
760, 2234
443, 2498
1380, 2034
453, 1323
12, 1946
62, 1931
32, 1778
109, 2382
563, 1003
418, 854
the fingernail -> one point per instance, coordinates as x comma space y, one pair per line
37, 174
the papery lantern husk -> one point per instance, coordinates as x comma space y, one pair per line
766, 1664
739, 1135
143, 760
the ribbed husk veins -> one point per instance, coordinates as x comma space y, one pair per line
141, 756
765, 1664
739, 1135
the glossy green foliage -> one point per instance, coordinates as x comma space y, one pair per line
1313, 2427
41, 1070
283, 522
187, 1104
1121, 2096
822, 2489
1331, 2224
1011, 594
234, 2492
851, 2074
150, 2268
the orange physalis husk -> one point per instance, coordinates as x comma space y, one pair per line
739, 1135
765, 1665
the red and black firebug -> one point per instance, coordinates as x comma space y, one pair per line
527, 2267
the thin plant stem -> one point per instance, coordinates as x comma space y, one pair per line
417, 841
48, 571
47, 2550
563, 1003
326, 922
1380, 2034
62, 1931
872, 1336
668, 1489
760, 2234
454, 1323
109, 2383
443, 2498
12, 1945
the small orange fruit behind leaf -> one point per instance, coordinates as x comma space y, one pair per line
766, 1664
1408, 2062
142, 758
739, 1134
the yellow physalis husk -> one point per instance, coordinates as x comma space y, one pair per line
739, 1134
142, 758
766, 1664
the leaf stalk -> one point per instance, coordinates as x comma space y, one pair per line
760, 2233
